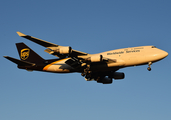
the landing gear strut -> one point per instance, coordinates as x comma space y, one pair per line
149, 64
87, 73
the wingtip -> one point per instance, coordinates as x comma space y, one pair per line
20, 34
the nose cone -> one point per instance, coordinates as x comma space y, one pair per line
160, 54
156, 55
163, 54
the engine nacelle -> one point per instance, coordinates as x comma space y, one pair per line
118, 75
105, 80
95, 58
64, 50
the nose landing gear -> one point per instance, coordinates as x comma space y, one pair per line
149, 64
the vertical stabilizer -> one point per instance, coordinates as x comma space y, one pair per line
27, 54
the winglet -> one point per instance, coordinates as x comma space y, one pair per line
21, 34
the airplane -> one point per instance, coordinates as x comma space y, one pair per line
101, 67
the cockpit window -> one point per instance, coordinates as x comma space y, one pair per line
153, 46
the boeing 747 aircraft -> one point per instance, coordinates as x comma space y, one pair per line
101, 67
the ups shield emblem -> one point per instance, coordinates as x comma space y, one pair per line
25, 53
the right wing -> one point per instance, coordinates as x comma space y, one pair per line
51, 46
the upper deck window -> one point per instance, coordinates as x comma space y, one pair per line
153, 47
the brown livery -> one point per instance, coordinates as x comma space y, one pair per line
101, 67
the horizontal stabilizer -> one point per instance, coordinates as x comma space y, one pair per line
19, 62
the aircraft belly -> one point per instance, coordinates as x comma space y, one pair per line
103, 68
59, 68
108, 67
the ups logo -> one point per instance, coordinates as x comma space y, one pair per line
25, 53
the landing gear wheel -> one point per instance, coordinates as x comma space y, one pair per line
149, 64
86, 71
83, 74
88, 77
149, 69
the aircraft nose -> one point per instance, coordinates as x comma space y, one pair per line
160, 54
165, 54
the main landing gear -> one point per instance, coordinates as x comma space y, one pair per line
87, 73
149, 66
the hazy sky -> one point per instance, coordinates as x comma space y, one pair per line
90, 26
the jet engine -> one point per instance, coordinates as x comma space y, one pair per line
95, 58
64, 50
118, 75
105, 80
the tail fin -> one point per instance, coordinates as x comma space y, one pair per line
27, 54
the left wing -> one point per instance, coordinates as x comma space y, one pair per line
54, 49
64, 51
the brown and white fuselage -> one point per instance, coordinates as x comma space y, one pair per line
125, 57
100, 67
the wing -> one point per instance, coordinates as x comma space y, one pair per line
53, 49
